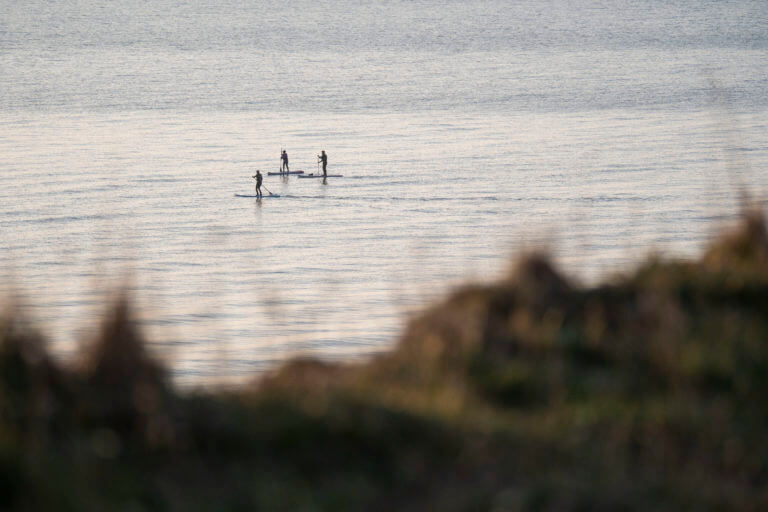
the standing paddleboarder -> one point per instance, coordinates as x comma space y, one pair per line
322, 157
259, 178
284, 165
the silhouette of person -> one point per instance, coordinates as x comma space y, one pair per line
323, 158
284, 166
259, 178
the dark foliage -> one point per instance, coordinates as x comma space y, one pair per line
643, 393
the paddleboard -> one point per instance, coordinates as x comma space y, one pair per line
276, 173
254, 195
313, 175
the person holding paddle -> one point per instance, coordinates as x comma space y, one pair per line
259, 178
284, 159
322, 157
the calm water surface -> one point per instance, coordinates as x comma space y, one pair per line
466, 132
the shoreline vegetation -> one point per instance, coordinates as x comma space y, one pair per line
645, 392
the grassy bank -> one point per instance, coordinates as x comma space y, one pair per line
643, 393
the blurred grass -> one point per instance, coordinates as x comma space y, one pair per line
643, 393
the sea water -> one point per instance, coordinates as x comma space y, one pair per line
467, 132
